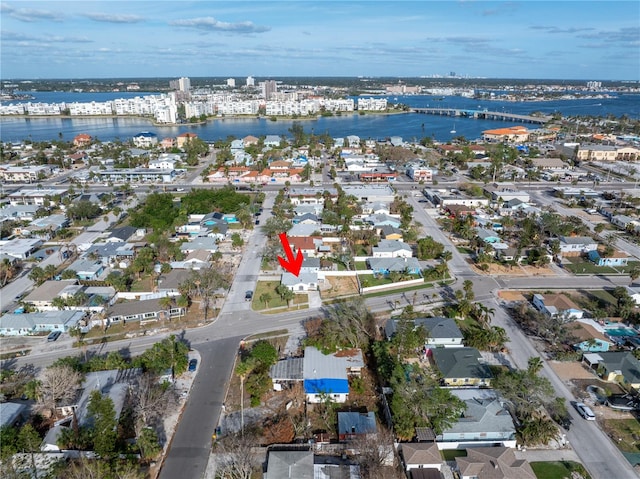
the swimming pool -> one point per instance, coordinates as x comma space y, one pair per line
621, 332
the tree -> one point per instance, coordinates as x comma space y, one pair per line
148, 443
57, 386
235, 457
102, 413
83, 210
634, 273
168, 353
29, 442
263, 355
428, 248
242, 371
265, 298
236, 240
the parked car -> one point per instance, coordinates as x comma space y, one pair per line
53, 336
193, 364
248, 295
585, 411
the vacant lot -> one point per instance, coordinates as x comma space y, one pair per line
511, 296
625, 433
337, 286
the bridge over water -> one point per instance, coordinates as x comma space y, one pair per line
483, 114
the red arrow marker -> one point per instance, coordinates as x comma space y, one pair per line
291, 264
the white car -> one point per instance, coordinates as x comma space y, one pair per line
585, 411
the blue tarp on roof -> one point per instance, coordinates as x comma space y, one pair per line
327, 386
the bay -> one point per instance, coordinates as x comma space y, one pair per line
409, 126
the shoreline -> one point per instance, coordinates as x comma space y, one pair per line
273, 119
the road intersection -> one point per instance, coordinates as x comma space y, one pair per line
217, 343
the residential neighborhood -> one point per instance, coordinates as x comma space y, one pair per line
453, 305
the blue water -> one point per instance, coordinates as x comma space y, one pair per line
621, 332
408, 126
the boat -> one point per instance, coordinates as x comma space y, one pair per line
454, 129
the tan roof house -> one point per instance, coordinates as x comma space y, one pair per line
493, 463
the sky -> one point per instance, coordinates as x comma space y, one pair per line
581, 39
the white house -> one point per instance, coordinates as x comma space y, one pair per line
557, 306
577, 245
391, 249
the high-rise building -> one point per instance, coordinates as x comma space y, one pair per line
269, 88
231, 82
181, 84
251, 81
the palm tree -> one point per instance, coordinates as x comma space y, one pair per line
634, 273
534, 365
265, 298
243, 369
182, 302
446, 256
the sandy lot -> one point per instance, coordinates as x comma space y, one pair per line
511, 296
568, 370
336, 286
498, 269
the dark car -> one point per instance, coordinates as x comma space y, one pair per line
257, 222
248, 295
193, 364
53, 336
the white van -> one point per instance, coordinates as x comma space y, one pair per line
585, 412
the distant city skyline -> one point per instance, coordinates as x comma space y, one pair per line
590, 40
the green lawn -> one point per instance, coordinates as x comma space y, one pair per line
367, 280
361, 265
604, 296
557, 470
275, 302
463, 250
451, 454
580, 266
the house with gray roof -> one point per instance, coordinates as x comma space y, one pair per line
111, 252
25, 324
170, 282
285, 462
306, 219
383, 220
11, 414
144, 311
384, 266
488, 236
484, 422
41, 297
391, 249
354, 425
441, 332
302, 283
327, 375
20, 248
124, 234
290, 465
204, 243
576, 245
616, 366
461, 367
87, 269
18, 212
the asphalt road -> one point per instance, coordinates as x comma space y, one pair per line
218, 341
191, 444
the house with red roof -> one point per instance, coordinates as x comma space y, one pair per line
82, 140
